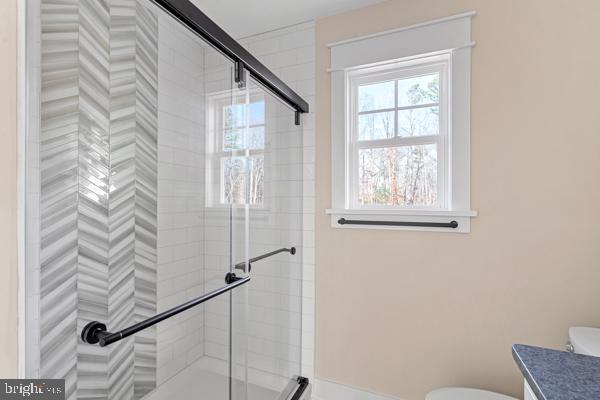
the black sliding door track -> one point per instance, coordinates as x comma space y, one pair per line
302, 386
197, 21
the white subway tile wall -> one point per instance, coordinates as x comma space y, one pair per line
290, 54
280, 311
180, 195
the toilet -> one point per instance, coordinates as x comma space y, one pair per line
582, 340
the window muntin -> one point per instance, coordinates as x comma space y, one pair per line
398, 136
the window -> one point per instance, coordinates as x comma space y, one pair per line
398, 135
400, 126
237, 139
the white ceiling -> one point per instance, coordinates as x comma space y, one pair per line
241, 18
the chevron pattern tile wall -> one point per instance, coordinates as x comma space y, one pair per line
98, 162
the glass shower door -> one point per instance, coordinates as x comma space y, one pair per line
159, 178
136, 202
267, 314
225, 222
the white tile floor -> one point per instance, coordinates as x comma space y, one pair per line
195, 382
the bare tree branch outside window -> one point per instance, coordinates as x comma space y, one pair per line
399, 175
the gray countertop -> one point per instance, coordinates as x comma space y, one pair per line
559, 375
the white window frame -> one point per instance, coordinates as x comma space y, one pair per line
447, 41
216, 155
398, 71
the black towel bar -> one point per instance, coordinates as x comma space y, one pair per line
451, 224
95, 332
242, 265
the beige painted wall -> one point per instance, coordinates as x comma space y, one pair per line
8, 194
404, 312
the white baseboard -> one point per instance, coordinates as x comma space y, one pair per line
326, 390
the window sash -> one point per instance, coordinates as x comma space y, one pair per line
403, 108
371, 76
221, 126
354, 188
397, 142
216, 154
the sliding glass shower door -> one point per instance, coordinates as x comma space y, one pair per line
267, 315
262, 186
226, 213
161, 172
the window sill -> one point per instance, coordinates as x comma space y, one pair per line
463, 219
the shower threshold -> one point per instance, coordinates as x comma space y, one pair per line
196, 380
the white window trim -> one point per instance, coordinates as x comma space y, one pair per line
447, 37
437, 64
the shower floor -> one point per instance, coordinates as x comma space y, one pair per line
197, 382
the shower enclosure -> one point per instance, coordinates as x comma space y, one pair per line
164, 207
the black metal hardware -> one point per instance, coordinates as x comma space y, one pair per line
297, 117
197, 21
242, 265
95, 332
451, 224
231, 277
302, 385
239, 76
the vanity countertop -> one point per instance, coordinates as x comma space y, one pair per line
559, 375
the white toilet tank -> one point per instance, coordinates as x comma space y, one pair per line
584, 340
